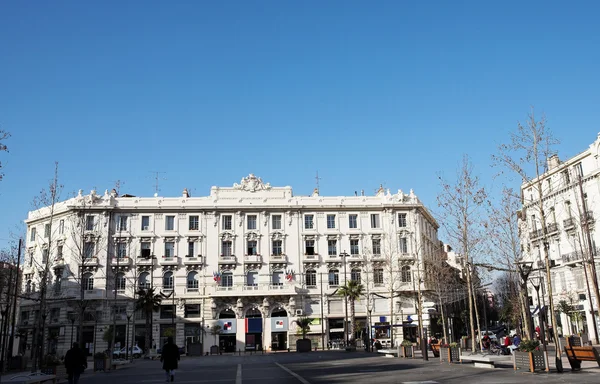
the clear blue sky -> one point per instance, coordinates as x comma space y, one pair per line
364, 92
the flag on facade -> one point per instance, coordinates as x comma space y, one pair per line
217, 276
289, 275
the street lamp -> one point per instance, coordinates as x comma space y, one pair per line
129, 313
343, 255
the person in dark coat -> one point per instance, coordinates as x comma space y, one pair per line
75, 363
169, 357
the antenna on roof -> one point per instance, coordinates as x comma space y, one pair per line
317, 178
157, 179
118, 185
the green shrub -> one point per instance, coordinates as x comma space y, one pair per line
406, 343
529, 346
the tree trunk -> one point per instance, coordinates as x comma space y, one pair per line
474, 298
526, 313
148, 330
352, 321
444, 323
470, 295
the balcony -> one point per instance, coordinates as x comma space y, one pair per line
552, 228
192, 260
169, 260
572, 258
278, 259
311, 258
406, 258
378, 257
145, 261
120, 261
569, 223
90, 262
589, 217
252, 259
227, 260
254, 289
536, 234
93, 294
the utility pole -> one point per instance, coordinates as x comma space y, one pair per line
317, 178
589, 259
13, 321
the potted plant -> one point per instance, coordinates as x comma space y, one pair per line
407, 349
450, 352
529, 356
303, 344
50, 365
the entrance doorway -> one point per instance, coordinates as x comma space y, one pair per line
279, 329
227, 343
254, 329
278, 341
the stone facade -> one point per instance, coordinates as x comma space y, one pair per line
246, 252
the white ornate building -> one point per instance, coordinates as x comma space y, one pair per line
571, 196
251, 258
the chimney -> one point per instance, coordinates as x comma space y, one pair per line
553, 162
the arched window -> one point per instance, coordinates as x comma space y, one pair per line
168, 280
252, 279
87, 281
277, 278
378, 276
253, 313
33, 287
121, 282
227, 279
405, 274
28, 287
355, 275
311, 278
144, 280
334, 277
192, 281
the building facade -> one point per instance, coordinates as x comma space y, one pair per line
570, 193
250, 259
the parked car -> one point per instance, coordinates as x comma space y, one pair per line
136, 352
491, 334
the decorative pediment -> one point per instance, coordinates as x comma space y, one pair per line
252, 183
355, 236
228, 236
227, 267
193, 267
334, 264
333, 237
310, 237
252, 267
253, 235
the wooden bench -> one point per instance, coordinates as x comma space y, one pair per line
435, 348
578, 354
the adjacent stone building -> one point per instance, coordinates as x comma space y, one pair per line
250, 258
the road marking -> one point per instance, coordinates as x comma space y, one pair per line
420, 382
238, 375
297, 376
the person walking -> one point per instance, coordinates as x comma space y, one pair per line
75, 363
169, 357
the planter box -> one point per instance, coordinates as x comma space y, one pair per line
408, 352
531, 361
101, 364
451, 355
303, 345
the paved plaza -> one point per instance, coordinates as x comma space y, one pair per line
328, 367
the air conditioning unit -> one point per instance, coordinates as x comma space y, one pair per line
299, 312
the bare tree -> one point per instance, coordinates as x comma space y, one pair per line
3, 148
461, 204
526, 156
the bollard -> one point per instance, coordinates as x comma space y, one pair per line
239, 352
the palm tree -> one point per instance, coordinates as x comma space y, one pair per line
304, 325
148, 302
352, 290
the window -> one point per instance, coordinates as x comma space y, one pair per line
549, 184
32, 237
402, 220
192, 310
169, 223
354, 247
194, 223
353, 221
311, 278
121, 282
46, 230
334, 278
144, 280
310, 247
376, 245
121, 250
332, 247
192, 281
61, 227
226, 248
89, 223
168, 280
167, 311
403, 245
122, 224
59, 252
276, 221
252, 244
227, 279
252, 279
405, 274
309, 222
87, 281
226, 223
533, 223
330, 221
355, 275
578, 169
277, 247
277, 278
375, 220
45, 255
28, 287
191, 249
88, 250
145, 223
145, 249
169, 249
566, 177
251, 221
378, 276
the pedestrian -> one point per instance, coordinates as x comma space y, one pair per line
169, 357
75, 363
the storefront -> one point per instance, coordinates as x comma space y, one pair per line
279, 333
227, 323
254, 330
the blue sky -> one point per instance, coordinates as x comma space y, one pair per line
364, 92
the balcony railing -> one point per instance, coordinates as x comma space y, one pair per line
536, 234
572, 257
252, 259
552, 228
569, 223
311, 258
169, 260
120, 261
589, 217
278, 258
227, 259
192, 260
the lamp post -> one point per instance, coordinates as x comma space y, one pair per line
129, 313
525, 268
343, 255
536, 281
72, 320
